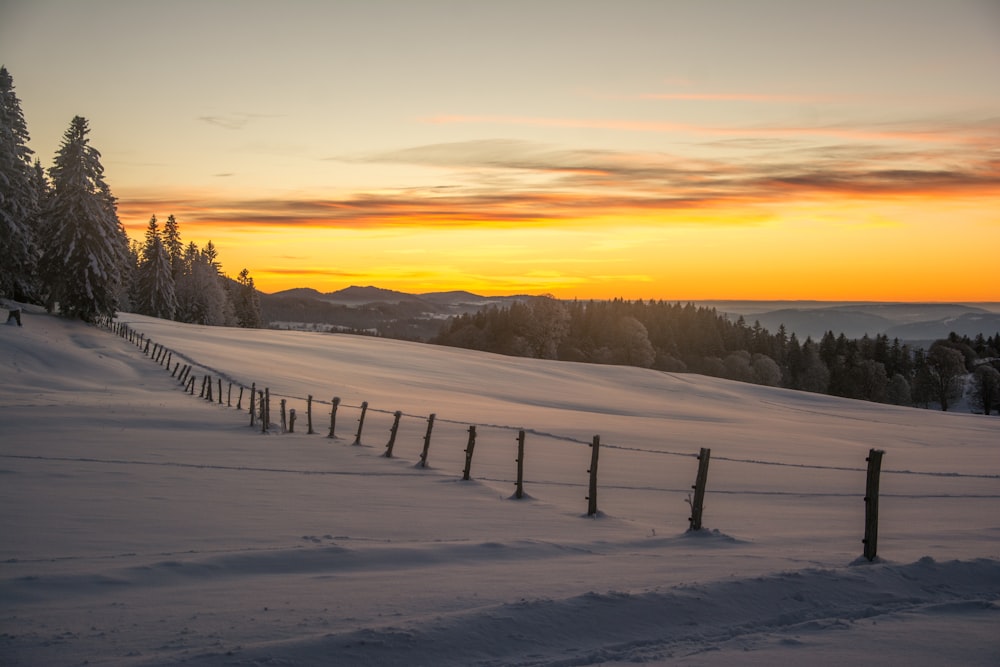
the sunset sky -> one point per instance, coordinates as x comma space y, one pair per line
739, 149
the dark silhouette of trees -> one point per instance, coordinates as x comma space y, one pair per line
678, 337
984, 394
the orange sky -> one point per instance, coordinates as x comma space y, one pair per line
712, 150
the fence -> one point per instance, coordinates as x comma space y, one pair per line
258, 403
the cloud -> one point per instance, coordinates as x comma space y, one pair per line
234, 121
934, 131
517, 183
742, 97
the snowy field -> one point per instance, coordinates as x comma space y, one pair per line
141, 525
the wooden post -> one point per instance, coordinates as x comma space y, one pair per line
253, 408
468, 452
284, 422
698, 503
265, 405
309, 415
291, 420
146, 349
333, 417
361, 422
191, 384
170, 358
208, 391
871, 503
220, 391
239, 401
204, 380
176, 366
427, 441
229, 395
392, 434
592, 498
519, 492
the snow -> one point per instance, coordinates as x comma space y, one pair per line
145, 526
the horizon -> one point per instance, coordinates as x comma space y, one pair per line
678, 300
771, 151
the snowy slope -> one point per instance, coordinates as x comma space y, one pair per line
142, 525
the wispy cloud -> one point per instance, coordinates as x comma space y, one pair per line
741, 97
234, 121
938, 132
516, 183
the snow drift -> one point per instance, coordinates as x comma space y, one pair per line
145, 526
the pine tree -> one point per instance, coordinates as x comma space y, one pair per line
201, 298
82, 266
155, 283
246, 301
20, 194
172, 244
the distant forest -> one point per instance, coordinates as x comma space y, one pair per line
685, 338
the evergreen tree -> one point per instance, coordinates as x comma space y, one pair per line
201, 298
246, 301
87, 247
20, 194
155, 280
172, 244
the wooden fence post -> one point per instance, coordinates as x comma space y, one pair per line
291, 420
266, 405
309, 415
220, 391
253, 398
698, 503
392, 434
239, 401
871, 503
333, 417
229, 395
208, 392
519, 492
427, 441
176, 366
170, 358
592, 498
468, 452
204, 379
284, 422
361, 422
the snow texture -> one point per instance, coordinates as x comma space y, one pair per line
144, 526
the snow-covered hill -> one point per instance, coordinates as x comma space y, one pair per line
143, 525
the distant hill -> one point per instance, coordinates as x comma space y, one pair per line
373, 310
906, 321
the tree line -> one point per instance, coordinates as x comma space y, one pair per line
679, 337
63, 246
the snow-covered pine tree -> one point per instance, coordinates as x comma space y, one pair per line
20, 195
172, 244
155, 279
201, 298
87, 248
246, 301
